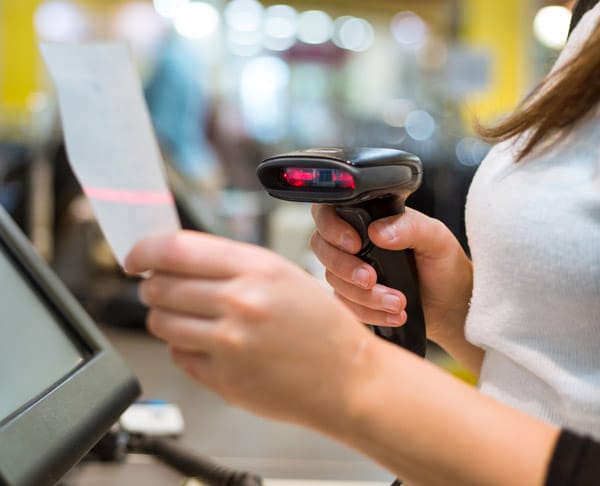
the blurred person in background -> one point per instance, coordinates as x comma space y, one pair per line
179, 108
522, 315
239, 153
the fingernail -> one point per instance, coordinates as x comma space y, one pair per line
361, 276
386, 231
396, 319
391, 303
347, 243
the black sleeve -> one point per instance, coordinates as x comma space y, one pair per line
575, 462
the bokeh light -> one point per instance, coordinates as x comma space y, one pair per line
139, 24
279, 27
551, 26
420, 125
263, 95
471, 151
352, 33
61, 21
244, 15
409, 30
197, 20
169, 8
314, 27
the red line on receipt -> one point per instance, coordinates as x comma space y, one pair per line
146, 198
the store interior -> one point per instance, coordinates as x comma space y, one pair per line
228, 84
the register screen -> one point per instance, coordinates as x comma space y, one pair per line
35, 351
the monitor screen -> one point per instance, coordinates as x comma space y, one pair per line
39, 352
62, 385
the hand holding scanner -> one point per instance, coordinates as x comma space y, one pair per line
363, 184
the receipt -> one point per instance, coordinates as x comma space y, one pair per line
110, 141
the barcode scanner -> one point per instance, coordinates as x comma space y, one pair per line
363, 184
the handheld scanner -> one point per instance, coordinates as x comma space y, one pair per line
363, 184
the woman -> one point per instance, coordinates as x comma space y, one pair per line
266, 336
533, 222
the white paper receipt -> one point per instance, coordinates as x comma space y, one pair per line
110, 141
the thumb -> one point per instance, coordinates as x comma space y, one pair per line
425, 235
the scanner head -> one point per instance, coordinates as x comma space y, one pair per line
341, 176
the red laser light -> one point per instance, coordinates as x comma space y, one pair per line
318, 178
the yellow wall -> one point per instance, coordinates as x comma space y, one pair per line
503, 28
19, 75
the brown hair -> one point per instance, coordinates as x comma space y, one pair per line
569, 94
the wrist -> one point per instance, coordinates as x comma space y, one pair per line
334, 404
348, 389
454, 342
365, 392
446, 316
449, 329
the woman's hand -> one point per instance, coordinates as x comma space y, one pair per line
445, 273
252, 326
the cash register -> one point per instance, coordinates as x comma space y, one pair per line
62, 385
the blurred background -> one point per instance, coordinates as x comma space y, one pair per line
229, 83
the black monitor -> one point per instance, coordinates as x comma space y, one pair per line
62, 385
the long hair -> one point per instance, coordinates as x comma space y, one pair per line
569, 94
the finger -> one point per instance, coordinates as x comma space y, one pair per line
182, 331
378, 298
411, 229
185, 295
187, 253
374, 317
347, 267
334, 229
199, 366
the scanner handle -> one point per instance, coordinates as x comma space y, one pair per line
395, 269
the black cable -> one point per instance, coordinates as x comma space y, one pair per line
192, 465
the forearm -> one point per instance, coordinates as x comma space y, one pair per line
429, 428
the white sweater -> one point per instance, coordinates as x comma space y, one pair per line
534, 234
